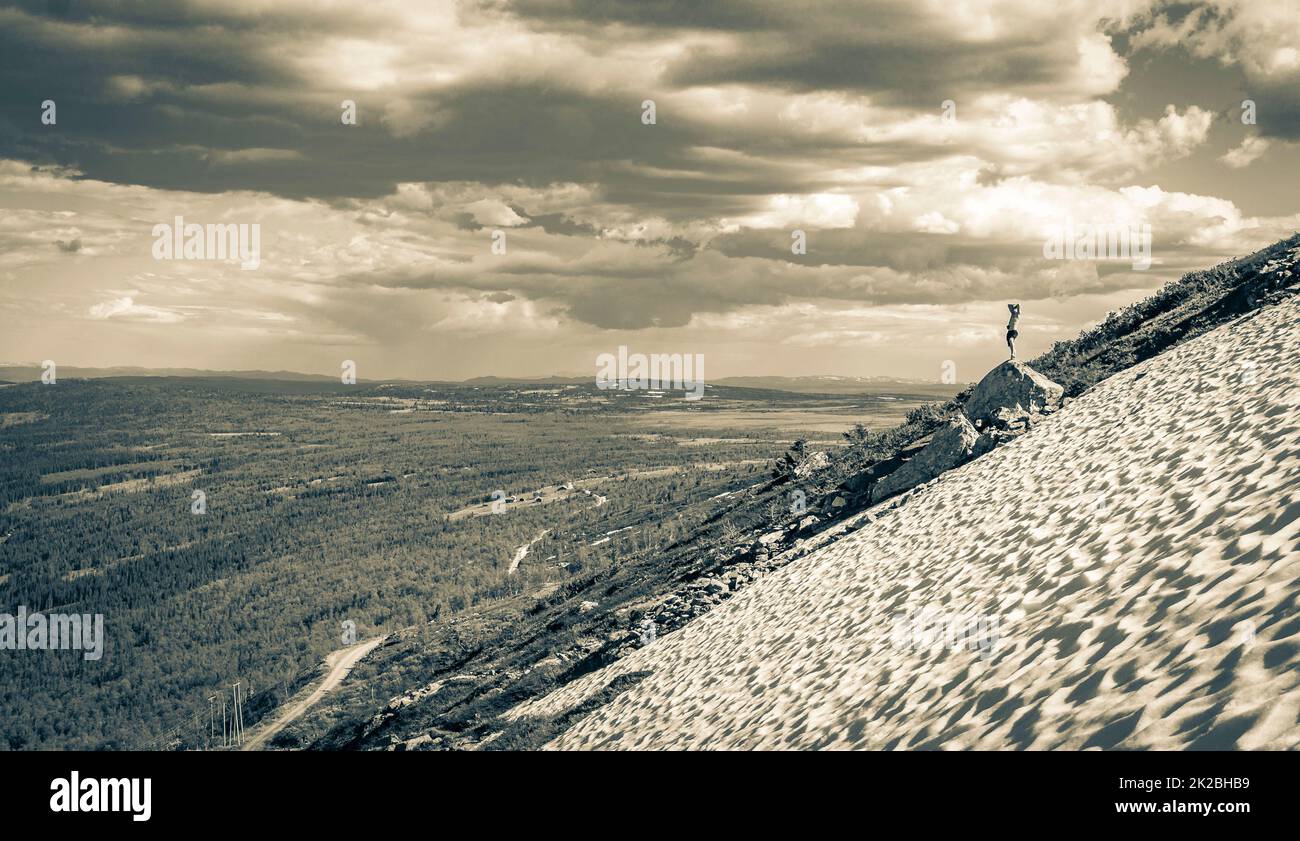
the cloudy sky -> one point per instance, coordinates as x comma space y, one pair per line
527, 117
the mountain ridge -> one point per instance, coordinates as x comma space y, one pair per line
1166, 621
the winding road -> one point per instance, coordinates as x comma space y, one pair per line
340, 663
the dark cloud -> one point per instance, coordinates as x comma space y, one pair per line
465, 222
197, 18
891, 50
657, 14
915, 75
180, 87
1238, 40
1277, 105
741, 16
557, 223
904, 251
680, 248
616, 224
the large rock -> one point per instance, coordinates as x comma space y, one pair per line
859, 485
948, 448
815, 462
988, 440
1010, 392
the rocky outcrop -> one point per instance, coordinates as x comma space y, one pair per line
808, 523
1010, 392
988, 440
951, 445
810, 466
855, 491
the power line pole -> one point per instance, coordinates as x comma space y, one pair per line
212, 722
237, 720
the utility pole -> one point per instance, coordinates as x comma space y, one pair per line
212, 722
237, 720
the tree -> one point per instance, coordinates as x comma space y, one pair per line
786, 464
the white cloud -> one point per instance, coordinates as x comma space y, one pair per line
817, 210
226, 157
494, 213
1261, 37
1250, 150
127, 309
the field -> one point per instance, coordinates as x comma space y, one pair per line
226, 528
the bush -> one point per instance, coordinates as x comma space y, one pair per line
930, 415
786, 464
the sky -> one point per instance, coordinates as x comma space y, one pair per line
925, 150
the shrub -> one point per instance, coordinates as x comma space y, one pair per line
786, 464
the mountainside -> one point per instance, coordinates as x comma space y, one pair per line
466, 681
1130, 565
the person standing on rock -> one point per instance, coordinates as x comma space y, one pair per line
1012, 332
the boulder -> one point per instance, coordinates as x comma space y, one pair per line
709, 585
1010, 392
858, 483
986, 442
951, 445
815, 462
991, 439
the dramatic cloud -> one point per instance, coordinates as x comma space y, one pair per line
1262, 39
1250, 150
814, 178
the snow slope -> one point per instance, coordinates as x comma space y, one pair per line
1138, 552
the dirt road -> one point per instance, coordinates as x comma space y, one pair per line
340, 663
522, 552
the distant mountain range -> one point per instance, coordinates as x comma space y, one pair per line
26, 372
827, 384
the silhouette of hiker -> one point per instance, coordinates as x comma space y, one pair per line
1012, 332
